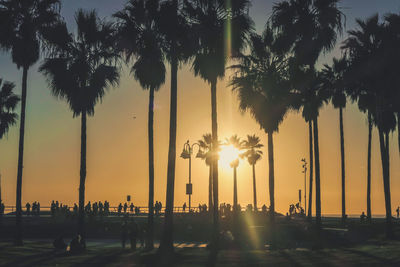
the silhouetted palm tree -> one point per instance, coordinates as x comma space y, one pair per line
24, 25
206, 154
79, 70
8, 104
332, 77
178, 48
142, 43
236, 142
8, 117
372, 59
261, 81
393, 30
222, 28
253, 154
356, 86
307, 28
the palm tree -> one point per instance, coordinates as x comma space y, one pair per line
261, 82
212, 20
23, 28
79, 70
356, 86
393, 30
307, 28
206, 150
236, 142
8, 104
372, 58
8, 117
253, 154
178, 48
140, 38
333, 79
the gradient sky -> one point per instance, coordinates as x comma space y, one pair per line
117, 143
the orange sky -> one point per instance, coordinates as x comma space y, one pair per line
117, 148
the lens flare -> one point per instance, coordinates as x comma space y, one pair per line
227, 155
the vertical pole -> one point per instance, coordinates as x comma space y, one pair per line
305, 190
190, 176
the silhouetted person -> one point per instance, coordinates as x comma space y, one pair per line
131, 207
2, 208
362, 217
124, 233
28, 208
264, 208
59, 243
125, 207
119, 209
159, 206
133, 234
75, 209
106, 207
398, 212
137, 210
53, 208
101, 208
184, 207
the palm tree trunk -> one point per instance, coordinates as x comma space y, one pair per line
81, 217
235, 197
271, 175
384, 145
310, 192
317, 175
343, 165
18, 219
398, 129
369, 213
214, 133
150, 218
271, 189
167, 241
210, 190
254, 188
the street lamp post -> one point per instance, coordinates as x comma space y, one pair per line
305, 183
187, 154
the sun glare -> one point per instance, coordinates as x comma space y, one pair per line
227, 155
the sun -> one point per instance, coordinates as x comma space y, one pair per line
227, 155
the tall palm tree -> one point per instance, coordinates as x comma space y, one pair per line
178, 48
308, 28
221, 28
23, 28
236, 142
8, 117
253, 154
206, 154
8, 104
332, 77
356, 87
372, 58
80, 69
142, 43
261, 82
393, 30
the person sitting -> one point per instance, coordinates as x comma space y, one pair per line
362, 217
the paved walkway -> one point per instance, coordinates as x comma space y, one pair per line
115, 243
